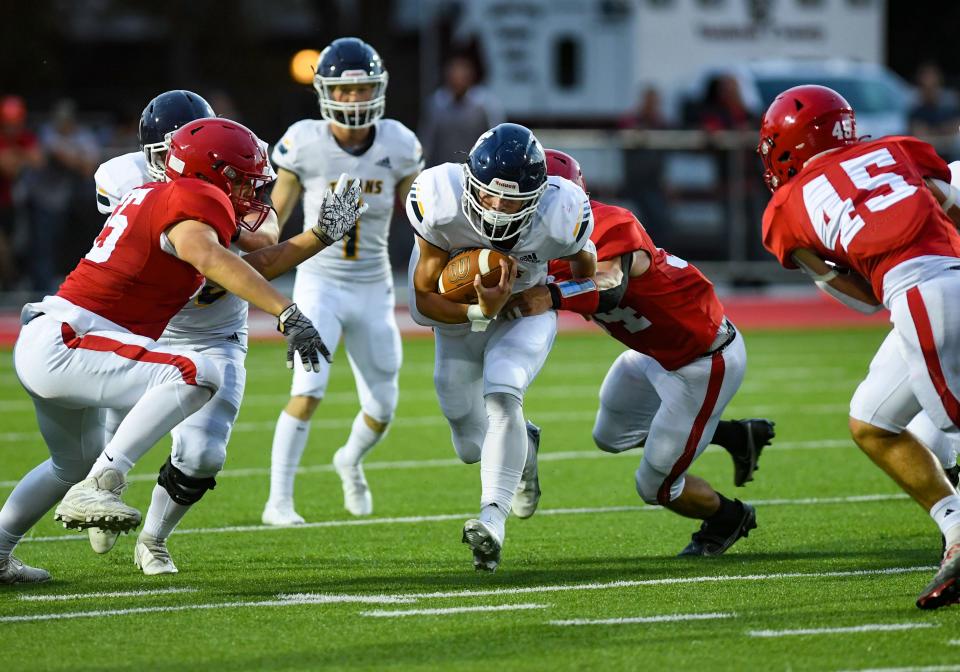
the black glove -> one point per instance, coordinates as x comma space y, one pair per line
339, 212
302, 338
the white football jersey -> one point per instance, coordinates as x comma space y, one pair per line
560, 227
212, 313
309, 150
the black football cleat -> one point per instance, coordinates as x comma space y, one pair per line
710, 540
758, 433
944, 589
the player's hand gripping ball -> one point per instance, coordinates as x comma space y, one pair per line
456, 281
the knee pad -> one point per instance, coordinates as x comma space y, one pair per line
184, 490
649, 481
467, 437
611, 444
382, 403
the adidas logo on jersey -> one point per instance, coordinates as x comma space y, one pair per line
384, 162
532, 258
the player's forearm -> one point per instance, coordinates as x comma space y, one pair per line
274, 261
237, 276
439, 309
265, 236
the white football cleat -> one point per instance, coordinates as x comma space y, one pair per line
527, 496
102, 541
151, 555
357, 498
95, 502
281, 515
484, 543
13, 570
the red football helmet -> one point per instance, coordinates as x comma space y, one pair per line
799, 124
227, 155
564, 165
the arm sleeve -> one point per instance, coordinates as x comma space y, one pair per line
421, 219
193, 199
285, 152
926, 158
107, 195
776, 237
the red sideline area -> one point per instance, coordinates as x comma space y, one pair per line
747, 312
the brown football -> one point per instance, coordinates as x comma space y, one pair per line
456, 281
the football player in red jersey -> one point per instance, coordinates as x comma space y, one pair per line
685, 363
91, 346
878, 208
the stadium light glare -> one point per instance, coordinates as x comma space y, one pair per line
302, 65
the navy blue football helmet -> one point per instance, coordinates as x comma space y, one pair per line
351, 61
165, 114
503, 179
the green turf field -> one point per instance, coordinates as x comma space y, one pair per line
838, 550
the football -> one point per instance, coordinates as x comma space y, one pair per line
456, 281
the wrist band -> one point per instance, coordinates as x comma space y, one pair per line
826, 277
478, 321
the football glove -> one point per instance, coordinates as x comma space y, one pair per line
302, 338
339, 211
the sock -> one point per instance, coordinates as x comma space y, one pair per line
495, 517
729, 433
157, 412
361, 440
727, 515
34, 495
504, 451
946, 514
164, 514
289, 440
8, 542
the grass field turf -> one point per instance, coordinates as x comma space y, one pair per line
837, 545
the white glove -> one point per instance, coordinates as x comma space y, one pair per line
339, 211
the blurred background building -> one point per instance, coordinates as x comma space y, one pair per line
658, 99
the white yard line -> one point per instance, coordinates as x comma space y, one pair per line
869, 627
558, 456
301, 599
636, 583
449, 611
665, 618
25, 597
408, 520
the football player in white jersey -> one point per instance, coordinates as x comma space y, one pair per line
501, 198
213, 323
347, 289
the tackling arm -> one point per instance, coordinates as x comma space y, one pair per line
848, 288
196, 243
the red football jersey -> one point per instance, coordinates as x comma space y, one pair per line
864, 207
127, 277
671, 312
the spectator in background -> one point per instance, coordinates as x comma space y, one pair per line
648, 114
723, 108
70, 154
937, 111
457, 114
643, 167
19, 152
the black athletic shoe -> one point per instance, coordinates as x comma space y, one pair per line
944, 589
758, 432
710, 540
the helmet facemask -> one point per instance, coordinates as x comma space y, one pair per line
357, 114
156, 155
497, 225
243, 189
